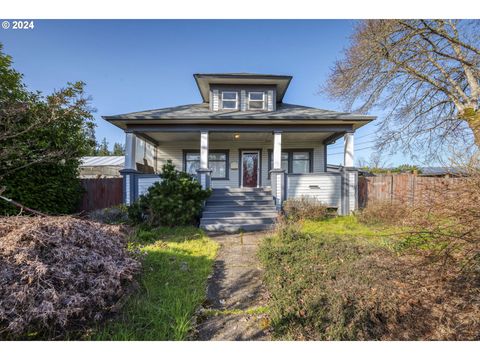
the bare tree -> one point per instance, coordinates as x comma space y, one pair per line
376, 161
424, 73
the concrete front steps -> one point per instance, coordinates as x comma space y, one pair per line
239, 209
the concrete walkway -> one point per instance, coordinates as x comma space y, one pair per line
235, 306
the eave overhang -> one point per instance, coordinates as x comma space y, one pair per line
205, 80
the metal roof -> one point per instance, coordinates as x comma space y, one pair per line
202, 112
103, 161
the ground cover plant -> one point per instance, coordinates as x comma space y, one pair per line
59, 274
343, 279
176, 266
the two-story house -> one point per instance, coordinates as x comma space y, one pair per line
243, 141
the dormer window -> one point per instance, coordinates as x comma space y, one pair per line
230, 100
256, 100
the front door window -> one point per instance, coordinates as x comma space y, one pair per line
250, 169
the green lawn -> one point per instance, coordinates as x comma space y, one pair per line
176, 266
320, 278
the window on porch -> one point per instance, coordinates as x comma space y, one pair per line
294, 161
217, 162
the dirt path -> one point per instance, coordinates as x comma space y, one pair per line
235, 306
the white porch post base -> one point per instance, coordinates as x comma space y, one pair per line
277, 175
205, 178
277, 179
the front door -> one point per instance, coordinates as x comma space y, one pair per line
250, 168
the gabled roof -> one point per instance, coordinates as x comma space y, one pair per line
205, 80
203, 112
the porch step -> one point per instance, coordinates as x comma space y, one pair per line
232, 210
239, 221
241, 190
241, 200
239, 196
241, 213
235, 228
236, 208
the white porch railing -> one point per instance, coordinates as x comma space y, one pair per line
335, 189
325, 187
338, 190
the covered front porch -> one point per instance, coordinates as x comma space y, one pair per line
289, 161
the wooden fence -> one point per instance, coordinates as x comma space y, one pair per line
101, 193
406, 188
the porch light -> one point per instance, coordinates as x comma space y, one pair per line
236, 136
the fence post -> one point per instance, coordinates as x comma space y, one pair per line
391, 189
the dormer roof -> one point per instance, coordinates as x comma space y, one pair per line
204, 81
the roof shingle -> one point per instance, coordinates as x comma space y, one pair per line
202, 111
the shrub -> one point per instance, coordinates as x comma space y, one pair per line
384, 213
176, 200
50, 188
112, 215
449, 215
306, 208
42, 139
329, 285
57, 274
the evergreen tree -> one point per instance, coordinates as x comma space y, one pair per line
118, 149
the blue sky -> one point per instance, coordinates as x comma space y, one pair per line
133, 65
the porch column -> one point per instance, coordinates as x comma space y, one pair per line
129, 172
277, 175
130, 149
349, 177
204, 173
348, 157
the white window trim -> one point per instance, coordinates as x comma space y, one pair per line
263, 99
236, 99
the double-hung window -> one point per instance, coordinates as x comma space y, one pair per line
217, 162
192, 162
229, 100
256, 100
300, 162
294, 161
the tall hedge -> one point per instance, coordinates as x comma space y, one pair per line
42, 139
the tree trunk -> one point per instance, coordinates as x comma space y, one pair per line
473, 121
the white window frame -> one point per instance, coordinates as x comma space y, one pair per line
236, 100
263, 99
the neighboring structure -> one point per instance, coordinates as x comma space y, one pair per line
101, 166
243, 136
440, 171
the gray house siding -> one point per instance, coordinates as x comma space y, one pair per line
174, 152
216, 94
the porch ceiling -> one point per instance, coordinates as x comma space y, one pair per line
243, 137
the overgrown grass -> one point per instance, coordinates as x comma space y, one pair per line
339, 279
176, 266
